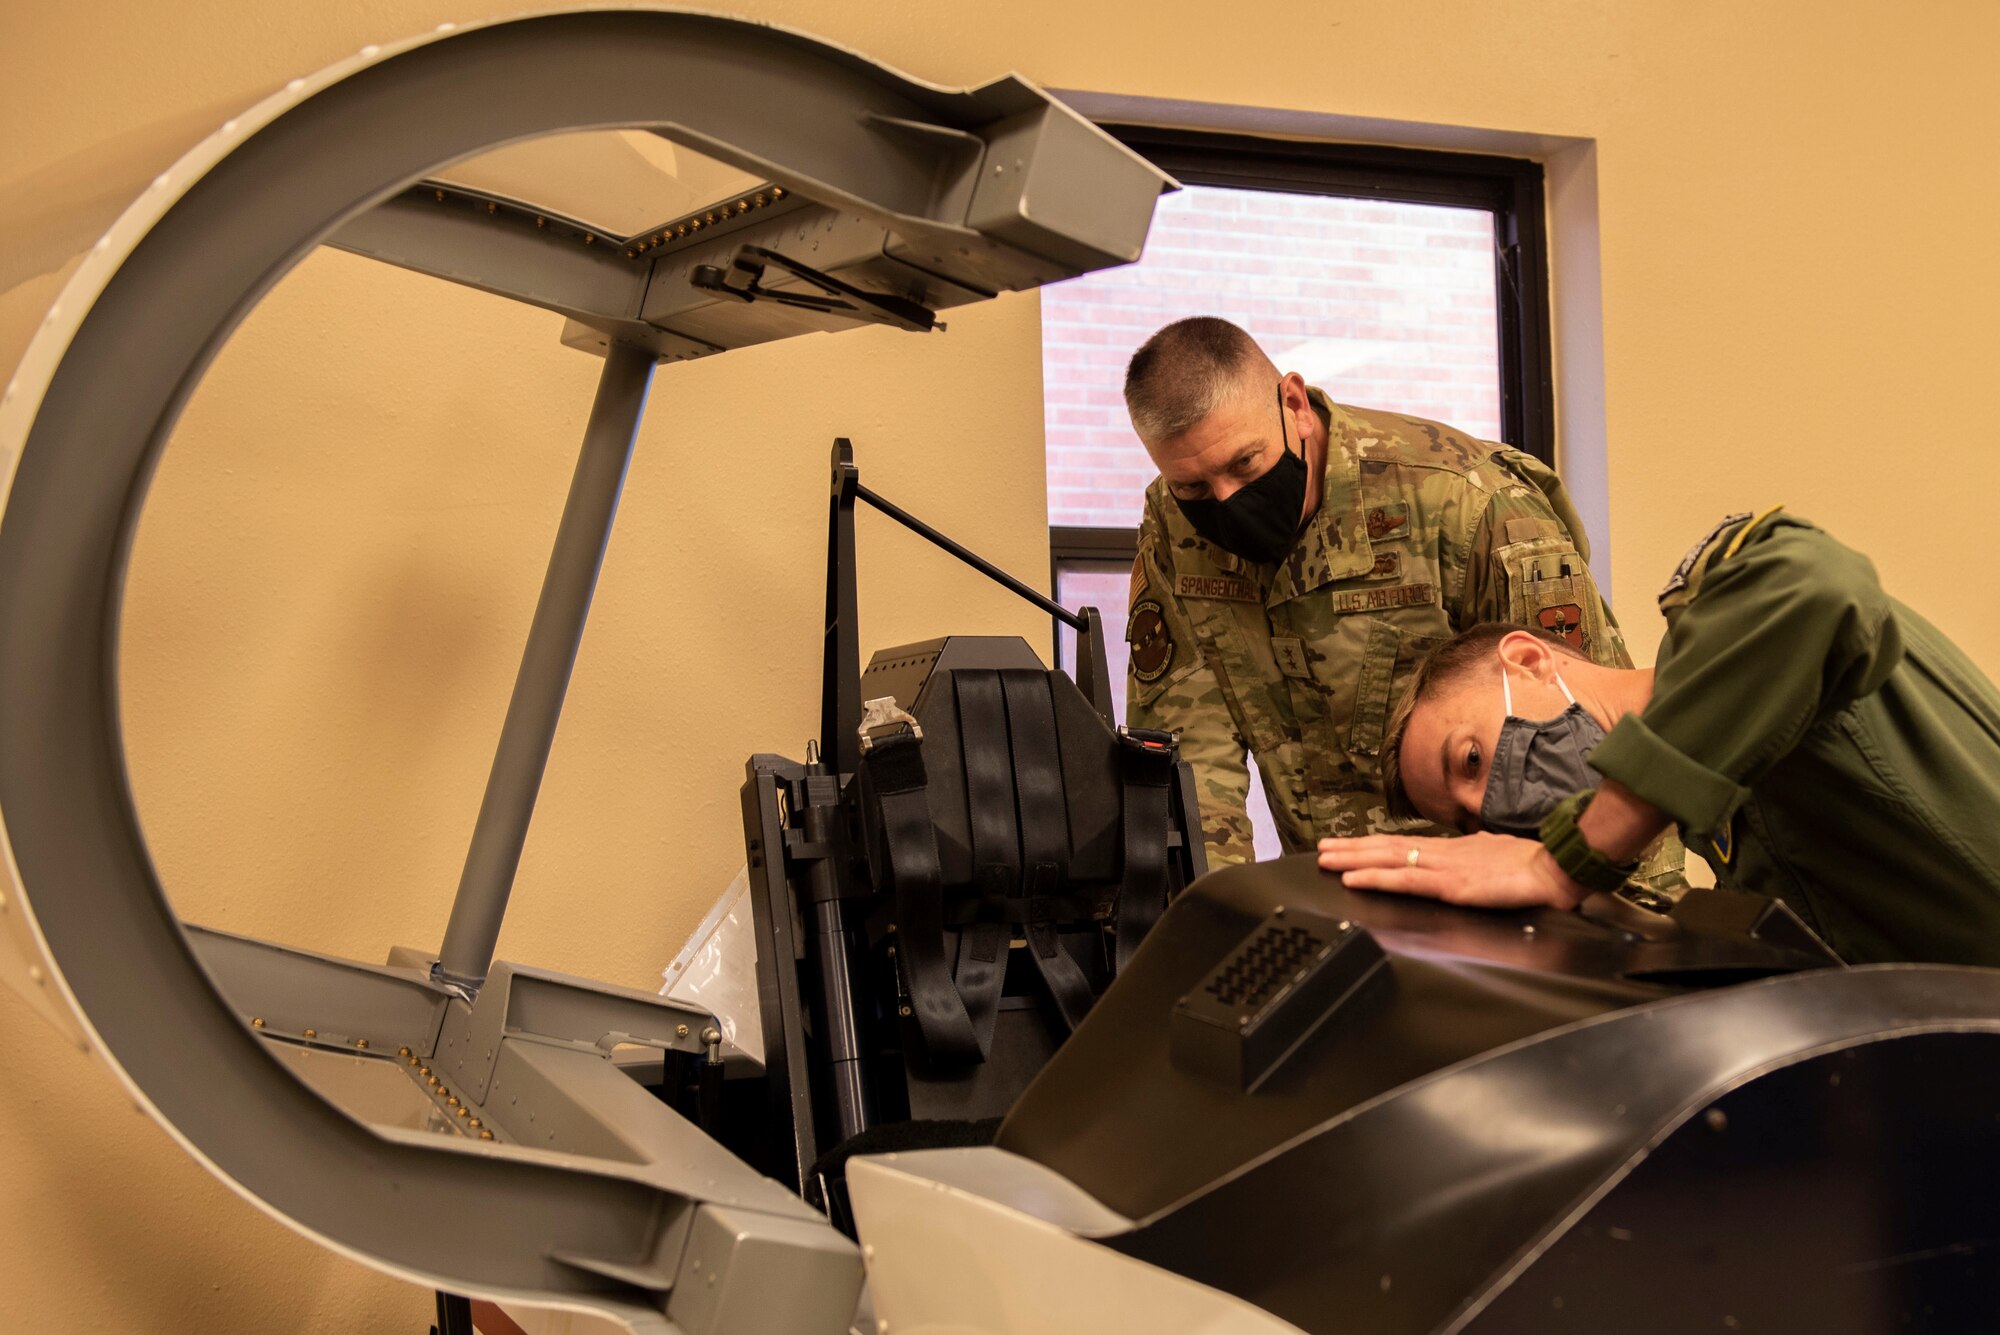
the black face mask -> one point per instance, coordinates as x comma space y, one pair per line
1259, 521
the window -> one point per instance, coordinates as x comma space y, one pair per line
1390, 278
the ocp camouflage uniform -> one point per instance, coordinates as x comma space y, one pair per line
1420, 532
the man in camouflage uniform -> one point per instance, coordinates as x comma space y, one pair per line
1407, 531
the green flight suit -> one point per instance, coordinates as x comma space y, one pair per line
1823, 744
1420, 532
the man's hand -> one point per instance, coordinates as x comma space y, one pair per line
1492, 871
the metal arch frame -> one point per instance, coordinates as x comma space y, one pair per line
147, 311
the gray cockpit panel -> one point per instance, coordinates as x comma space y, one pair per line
472, 1132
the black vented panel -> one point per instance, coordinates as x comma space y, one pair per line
1268, 995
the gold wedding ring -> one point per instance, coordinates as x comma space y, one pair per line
1414, 854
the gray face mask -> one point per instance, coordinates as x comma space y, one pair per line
1537, 765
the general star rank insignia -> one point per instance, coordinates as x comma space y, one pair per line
1564, 620
1152, 643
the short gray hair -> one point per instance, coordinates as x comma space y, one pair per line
1185, 372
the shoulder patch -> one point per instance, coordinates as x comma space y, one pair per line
1687, 578
1679, 579
1151, 641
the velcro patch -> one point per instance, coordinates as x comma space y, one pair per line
1227, 588
1388, 565
1152, 642
1531, 530
1378, 600
1389, 522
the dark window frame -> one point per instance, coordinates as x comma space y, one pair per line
1511, 189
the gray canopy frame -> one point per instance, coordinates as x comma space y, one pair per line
920, 199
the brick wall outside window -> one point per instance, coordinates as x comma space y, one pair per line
1382, 305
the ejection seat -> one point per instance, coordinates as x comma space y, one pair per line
943, 889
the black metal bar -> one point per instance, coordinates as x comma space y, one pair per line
841, 299
1527, 357
977, 562
454, 1315
543, 679
1076, 543
853, 1104
840, 683
1366, 171
1070, 545
794, 1145
1093, 671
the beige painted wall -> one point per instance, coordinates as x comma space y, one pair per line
345, 540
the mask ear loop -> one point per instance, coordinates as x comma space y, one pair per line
1507, 690
1284, 441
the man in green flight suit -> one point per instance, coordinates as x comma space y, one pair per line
1820, 742
1298, 557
